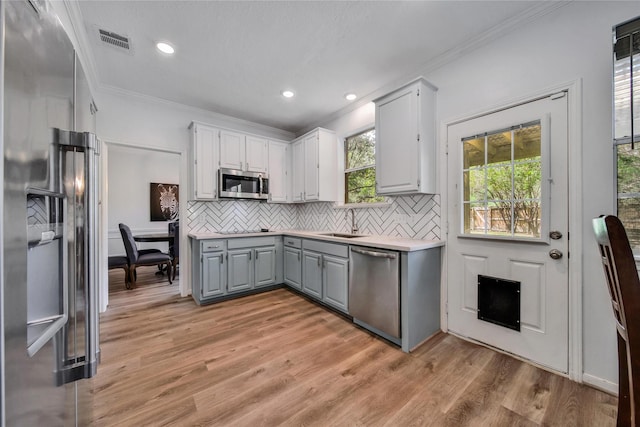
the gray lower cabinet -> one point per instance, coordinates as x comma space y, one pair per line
325, 272
312, 273
335, 281
228, 266
213, 275
209, 269
264, 266
252, 263
240, 271
293, 267
293, 262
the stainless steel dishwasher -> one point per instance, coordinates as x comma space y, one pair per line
374, 289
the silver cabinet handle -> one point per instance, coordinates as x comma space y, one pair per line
221, 259
257, 255
298, 256
249, 255
319, 259
375, 254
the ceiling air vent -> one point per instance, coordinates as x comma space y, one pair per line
115, 40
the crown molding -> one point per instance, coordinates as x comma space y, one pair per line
69, 13
504, 28
216, 118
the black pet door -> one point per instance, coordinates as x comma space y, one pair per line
499, 301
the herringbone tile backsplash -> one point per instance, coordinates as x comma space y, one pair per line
415, 217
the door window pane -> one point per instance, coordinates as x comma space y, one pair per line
628, 180
502, 193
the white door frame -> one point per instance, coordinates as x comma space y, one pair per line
574, 119
185, 273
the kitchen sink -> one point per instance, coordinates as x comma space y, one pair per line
345, 235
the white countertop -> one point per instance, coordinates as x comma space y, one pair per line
382, 242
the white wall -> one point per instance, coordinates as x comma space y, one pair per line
130, 172
159, 126
572, 43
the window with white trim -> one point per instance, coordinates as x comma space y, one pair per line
360, 168
626, 105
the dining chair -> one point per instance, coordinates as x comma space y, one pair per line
174, 246
121, 262
141, 259
624, 289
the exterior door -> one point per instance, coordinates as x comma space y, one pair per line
508, 222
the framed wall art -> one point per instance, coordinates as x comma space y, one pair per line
163, 202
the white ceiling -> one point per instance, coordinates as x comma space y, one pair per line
236, 57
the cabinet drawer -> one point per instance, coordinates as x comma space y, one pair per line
213, 245
292, 242
250, 242
335, 249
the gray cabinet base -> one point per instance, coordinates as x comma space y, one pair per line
238, 294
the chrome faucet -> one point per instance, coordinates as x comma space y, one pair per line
354, 226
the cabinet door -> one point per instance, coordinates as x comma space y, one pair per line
311, 165
293, 267
265, 266
256, 154
298, 166
213, 275
240, 271
397, 151
278, 172
312, 273
335, 280
231, 150
205, 162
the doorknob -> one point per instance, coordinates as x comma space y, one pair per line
555, 254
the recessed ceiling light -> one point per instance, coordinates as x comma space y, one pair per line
165, 48
287, 93
350, 96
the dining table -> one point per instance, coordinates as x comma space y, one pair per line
153, 237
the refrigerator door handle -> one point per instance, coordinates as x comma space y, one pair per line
77, 344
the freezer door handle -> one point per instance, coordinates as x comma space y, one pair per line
374, 253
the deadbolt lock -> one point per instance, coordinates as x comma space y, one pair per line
555, 235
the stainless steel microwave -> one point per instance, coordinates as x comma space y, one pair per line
238, 184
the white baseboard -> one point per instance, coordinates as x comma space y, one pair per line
600, 384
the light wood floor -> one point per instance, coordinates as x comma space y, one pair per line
278, 359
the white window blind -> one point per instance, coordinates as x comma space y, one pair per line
626, 81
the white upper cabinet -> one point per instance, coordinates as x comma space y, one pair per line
203, 157
232, 150
243, 152
297, 168
406, 140
315, 166
256, 154
279, 172
311, 167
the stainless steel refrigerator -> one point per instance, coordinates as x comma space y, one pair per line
49, 307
